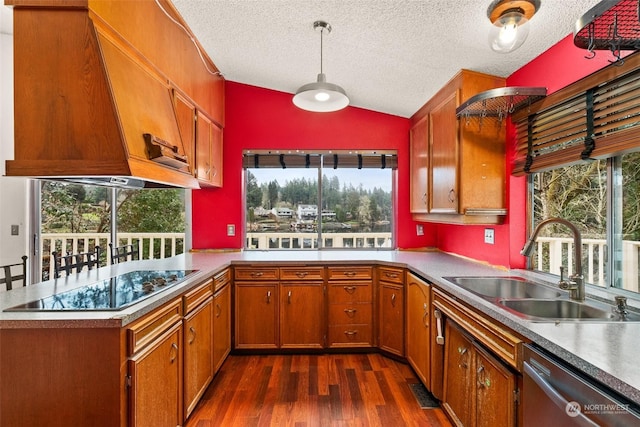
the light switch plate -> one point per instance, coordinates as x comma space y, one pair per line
231, 230
419, 230
489, 236
15, 230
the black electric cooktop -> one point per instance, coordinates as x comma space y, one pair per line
115, 293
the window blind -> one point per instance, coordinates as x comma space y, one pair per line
335, 161
596, 117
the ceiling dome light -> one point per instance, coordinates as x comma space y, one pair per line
510, 20
321, 96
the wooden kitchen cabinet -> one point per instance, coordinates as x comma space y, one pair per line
221, 319
198, 344
418, 334
350, 306
419, 164
479, 390
466, 181
391, 310
256, 303
208, 151
302, 313
155, 368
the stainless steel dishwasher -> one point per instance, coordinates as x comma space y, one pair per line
557, 395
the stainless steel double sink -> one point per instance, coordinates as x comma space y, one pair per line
538, 302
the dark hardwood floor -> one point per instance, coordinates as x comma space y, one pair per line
313, 390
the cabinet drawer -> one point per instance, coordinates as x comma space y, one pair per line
392, 275
196, 296
349, 314
349, 292
350, 335
350, 273
301, 273
145, 330
496, 337
256, 273
221, 279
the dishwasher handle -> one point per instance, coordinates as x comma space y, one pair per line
555, 397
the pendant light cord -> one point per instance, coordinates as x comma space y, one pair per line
321, 33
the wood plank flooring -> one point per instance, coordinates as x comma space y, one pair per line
313, 390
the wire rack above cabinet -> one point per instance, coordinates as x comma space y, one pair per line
500, 102
610, 25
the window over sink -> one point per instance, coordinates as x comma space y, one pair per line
602, 197
319, 200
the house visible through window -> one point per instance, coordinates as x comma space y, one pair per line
319, 200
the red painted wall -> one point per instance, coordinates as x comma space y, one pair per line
258, 118
559, 66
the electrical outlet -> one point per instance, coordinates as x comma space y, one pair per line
419, 230
231, 230
15, 230
489, 236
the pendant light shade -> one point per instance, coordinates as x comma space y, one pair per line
320, 96
510, 19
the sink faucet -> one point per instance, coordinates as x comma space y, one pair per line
575, 283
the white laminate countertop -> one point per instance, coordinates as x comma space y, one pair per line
603, 350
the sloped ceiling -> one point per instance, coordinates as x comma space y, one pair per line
389, 55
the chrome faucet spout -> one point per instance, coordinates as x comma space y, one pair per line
575, 283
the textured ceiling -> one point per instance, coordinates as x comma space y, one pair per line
388, 55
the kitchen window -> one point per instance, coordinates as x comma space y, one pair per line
602, 198
77, 217
314, 201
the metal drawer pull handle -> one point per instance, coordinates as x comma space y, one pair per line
289, 297
268, 297
193, 334
257, 274
350, 333
173, 354
350, 273
452, 195
393, 300
463, 363
350, 289
440, 337
301, 274
350, 311
424, 316
218, 310
391, 275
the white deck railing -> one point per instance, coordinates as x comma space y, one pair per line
152, 245
301, 240
551, 251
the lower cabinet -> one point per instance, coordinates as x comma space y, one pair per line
391, 310
479, 390
302, 315
198, 352
221, 325
256, 315
155, 368
418, 339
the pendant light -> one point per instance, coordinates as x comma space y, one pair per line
510, 19
321, 96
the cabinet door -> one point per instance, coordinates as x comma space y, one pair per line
216, 155
302, 314
419, 158
458, 375
155, 398
256, 318
391, 321
495, 391
221, 326
418, 327
198, 354
186, 116
204, 166
444, 156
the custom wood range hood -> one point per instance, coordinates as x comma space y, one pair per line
89, 107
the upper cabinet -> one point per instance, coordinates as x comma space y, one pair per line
458, 165
98, 77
